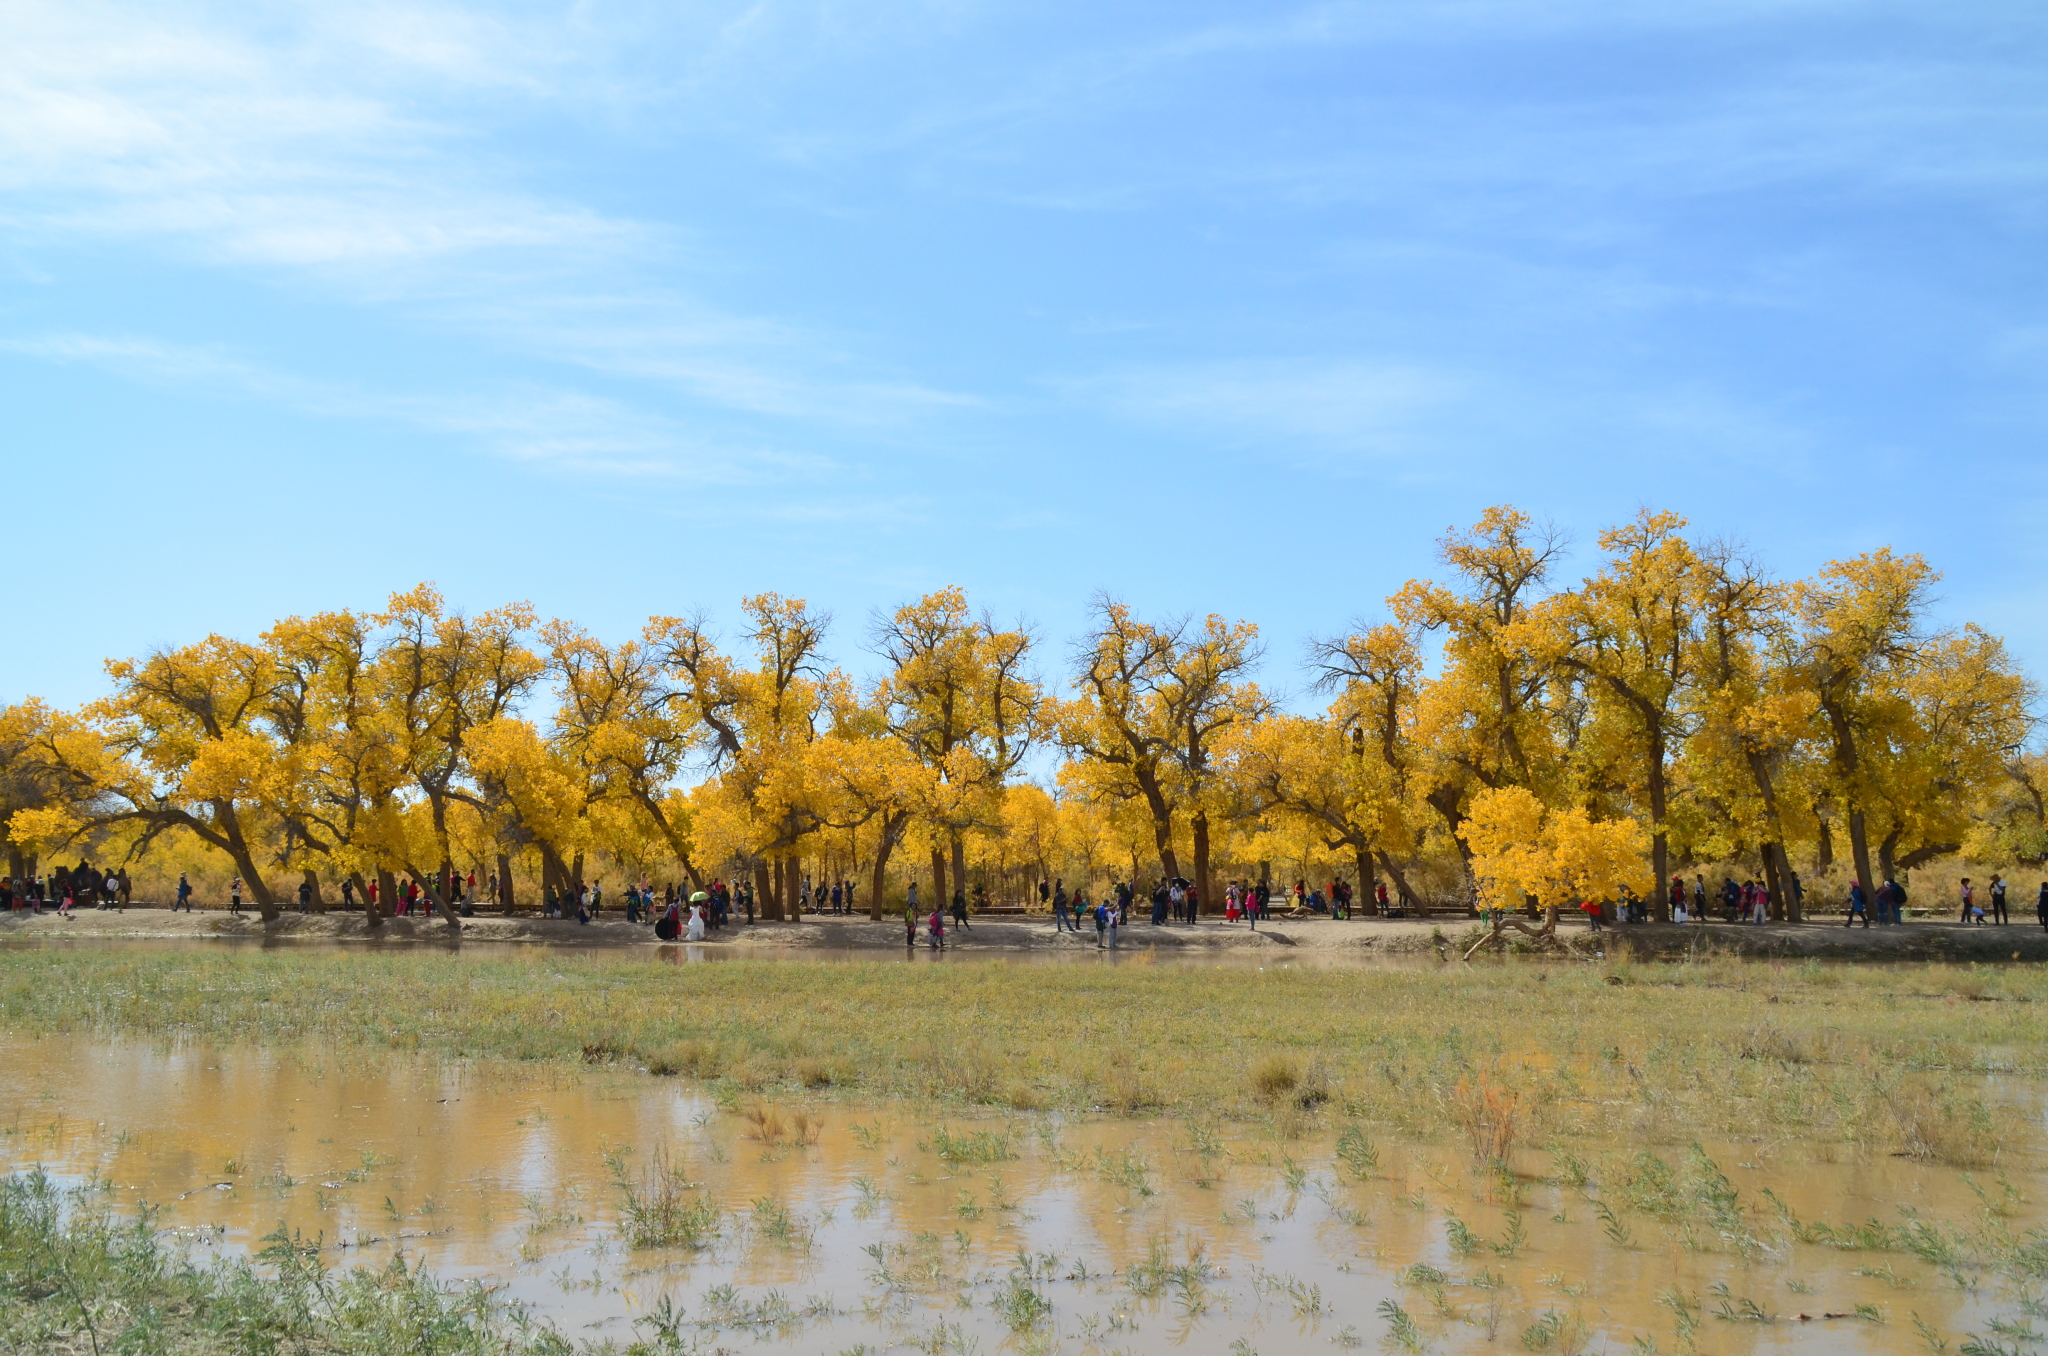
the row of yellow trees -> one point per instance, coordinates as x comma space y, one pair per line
1557, 742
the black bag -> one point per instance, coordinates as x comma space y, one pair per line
666, 929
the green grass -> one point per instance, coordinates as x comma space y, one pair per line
1879, 1056
74, 1281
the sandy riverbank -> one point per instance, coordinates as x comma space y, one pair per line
1335, 939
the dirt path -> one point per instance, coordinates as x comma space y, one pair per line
1305, 938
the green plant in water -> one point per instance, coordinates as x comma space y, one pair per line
1402, 1331
1126, 1168
1019, 1304
664, 1209
1357, 1152
1565, 1334
1460, 1236
977, 1146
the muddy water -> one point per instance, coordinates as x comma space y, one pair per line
884, 1232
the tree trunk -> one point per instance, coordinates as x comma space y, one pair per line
1201, 827
959, 868
505, 881
17, 870
576, 875
764, 893
387, 892
678, 842
881, 869
1660, 837
362, 888
1859, 847
1824, 849
1886, 852
229, 826
939, 896
1367, 898
1403, 895
312, 878
1773, 882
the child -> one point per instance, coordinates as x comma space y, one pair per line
935, 928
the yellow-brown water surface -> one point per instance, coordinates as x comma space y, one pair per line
921, 1230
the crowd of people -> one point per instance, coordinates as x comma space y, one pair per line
65, 888
1176, 901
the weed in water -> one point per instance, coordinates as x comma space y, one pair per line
1461, 1238
1358, 1152
1490, 1114
1565, 1334
770, 1126
1402, 1331
1019, 1304
1126, 1168
977, 1146
664, 1209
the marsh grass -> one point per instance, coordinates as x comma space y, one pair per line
1768, 1049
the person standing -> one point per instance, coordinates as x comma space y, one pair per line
235, 895
1060, 921
2041, 906
305, 896
910, 915
1858, 906
959, 906
1969, 895
1998, 900
183, 899
1101, 923
935, 930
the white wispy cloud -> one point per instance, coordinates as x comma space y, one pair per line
1359, 407
563, 428
359, 148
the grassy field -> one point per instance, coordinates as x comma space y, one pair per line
1509, 1053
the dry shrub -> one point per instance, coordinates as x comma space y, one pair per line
965, 1072
753, 1075
1274, 1076
814, 1073
1022, 1096
769, 1125
1940, 1126
1770, 1042
1123, 1090
1490, 1114
698, 1059
604, 1050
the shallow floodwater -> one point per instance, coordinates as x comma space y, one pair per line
1144, 1236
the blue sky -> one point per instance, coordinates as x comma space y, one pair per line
635, 308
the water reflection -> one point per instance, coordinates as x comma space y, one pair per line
1142, 1236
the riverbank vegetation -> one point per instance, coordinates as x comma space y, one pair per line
1500, 734
1887, 1058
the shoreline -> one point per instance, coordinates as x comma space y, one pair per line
1319, 937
